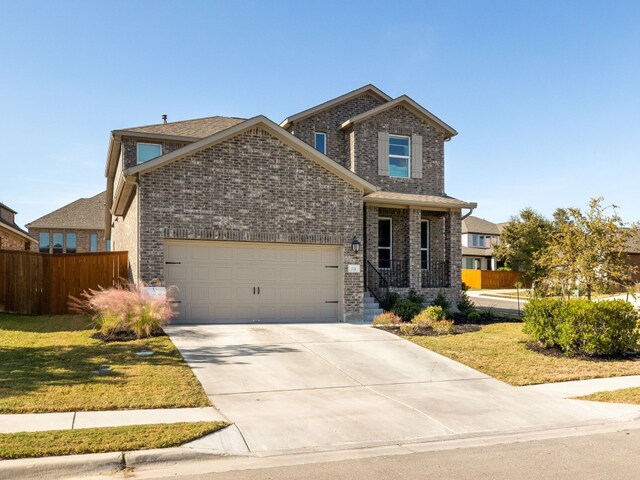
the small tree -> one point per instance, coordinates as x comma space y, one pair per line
588, 249
522, 240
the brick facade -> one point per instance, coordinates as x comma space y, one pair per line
83, 238
12, 241
251, 187
329, 121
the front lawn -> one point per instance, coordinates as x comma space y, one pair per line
500, 350
625, 395
98, 440
53, 364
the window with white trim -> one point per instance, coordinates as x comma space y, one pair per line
478, 241
321, 142
384, 243
399, 156
424, 244
148, 151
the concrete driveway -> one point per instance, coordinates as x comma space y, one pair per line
294, 388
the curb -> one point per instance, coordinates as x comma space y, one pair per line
52, 468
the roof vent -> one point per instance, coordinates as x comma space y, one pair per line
164, 118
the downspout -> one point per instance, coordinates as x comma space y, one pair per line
467, 214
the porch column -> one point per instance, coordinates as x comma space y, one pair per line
371, 236
415, 264
453, 248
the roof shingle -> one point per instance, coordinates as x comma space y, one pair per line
479, 225
196, 128
83, 214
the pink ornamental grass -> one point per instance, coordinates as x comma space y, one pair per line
125, 310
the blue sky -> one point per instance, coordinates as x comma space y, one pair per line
545, 94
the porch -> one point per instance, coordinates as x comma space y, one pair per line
412, 246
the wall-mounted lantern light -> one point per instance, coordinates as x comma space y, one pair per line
355, 245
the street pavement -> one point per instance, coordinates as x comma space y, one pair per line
600, 456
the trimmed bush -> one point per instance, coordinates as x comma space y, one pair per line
443, 327
410, 306
431, 320
124, 311
474, 316
387, 318
582, 327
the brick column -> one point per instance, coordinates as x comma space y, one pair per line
415, 267
453, 248
371, 236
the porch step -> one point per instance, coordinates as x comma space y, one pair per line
371, 307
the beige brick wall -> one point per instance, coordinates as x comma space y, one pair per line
251, 187
11, 241
83, 238
124, 237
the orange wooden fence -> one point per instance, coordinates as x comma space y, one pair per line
41, 283
490, 279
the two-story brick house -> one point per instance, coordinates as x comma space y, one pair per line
478, 239
259, 222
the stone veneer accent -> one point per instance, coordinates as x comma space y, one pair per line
251, 187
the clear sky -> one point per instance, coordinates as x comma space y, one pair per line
544, 94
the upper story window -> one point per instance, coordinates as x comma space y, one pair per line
93, 242
479, 241
399, 156
321, 142
58, 242
148, 151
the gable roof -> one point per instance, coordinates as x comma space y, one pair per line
83, 214
410, 104
127, 186
195, 128
370, 89
473, 224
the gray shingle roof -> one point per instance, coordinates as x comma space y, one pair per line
479, 225
83, 214
196, 128
477, 252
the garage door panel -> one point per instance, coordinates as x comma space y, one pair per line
216, 282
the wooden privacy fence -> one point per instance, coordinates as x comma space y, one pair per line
40, 283
490, 279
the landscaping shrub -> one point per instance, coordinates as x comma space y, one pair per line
429, 321
474, 316
465, 305
443, 327
582, 327
124, 311
428, 316
390, 300
442, 301
406, 309
387, 318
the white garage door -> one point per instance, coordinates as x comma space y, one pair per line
229, 282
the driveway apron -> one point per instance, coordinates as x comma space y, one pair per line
296, 388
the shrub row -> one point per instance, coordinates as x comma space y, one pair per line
427, 321
582, 327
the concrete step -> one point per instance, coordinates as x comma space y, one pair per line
373, 311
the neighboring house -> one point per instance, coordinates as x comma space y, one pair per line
75, 228
478, 238
633, 255
12, 237
259, 222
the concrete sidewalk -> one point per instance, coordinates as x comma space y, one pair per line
578, 388
38, 422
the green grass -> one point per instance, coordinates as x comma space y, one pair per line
46, 365
96, 440
625, 395
500, 350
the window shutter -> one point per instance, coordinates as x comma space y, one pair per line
383, 154
416, 156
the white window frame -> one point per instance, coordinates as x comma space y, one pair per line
428, 243
315, 142
390, 247
475, 240
151, 144
408, 157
